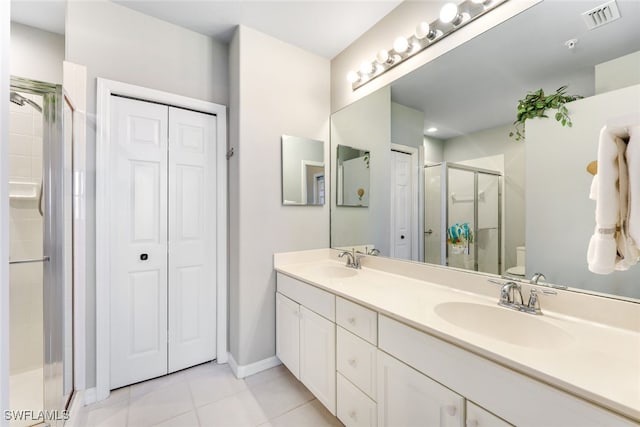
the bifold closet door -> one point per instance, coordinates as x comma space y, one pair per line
138, 302
192, 224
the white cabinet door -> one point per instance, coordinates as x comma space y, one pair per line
138, 342
478, 417
408, 398
192, 226
318, 357
288, 333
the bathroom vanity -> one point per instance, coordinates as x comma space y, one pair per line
399, 344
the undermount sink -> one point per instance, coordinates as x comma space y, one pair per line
504, 324
335, 271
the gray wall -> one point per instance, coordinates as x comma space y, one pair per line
118, 43
365, 124
562, 217
433, 150
36, 54
491, 142
276, 89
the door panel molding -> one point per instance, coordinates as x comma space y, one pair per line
104, 170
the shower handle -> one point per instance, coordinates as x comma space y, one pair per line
30, 261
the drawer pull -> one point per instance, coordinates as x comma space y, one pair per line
353, 415
353, 362
352, 320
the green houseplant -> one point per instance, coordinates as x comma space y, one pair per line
535, 104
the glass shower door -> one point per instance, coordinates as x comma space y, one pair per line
461, 218
41, 283
488, 236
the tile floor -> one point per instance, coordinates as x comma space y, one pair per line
210, 395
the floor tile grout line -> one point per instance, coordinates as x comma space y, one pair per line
292, 409
193, 402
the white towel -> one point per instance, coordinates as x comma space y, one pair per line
611, 248
593, 191
633, 165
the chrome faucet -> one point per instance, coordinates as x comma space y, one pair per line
511, 297
353, 260
374, 252
536, 277
508, 294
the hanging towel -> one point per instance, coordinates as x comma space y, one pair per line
611, 248
633, 164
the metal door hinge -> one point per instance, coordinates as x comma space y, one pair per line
230, 153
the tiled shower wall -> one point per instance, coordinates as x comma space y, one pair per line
26, 233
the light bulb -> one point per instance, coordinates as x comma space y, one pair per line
352, 77
366, 68
432, 129
449, 14
400, 45
422, 30
382, 56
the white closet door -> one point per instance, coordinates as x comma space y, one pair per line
192, 222
401, 205
139, 250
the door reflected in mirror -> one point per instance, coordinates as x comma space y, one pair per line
353, 182
303, 172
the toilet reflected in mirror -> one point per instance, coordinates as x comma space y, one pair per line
519, 268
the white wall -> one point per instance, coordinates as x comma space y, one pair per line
407, 125
618, 73
117, 43
491, 142
366, 125
276, 89
562, 217
402, 22
36, 54
5, 16
433, 150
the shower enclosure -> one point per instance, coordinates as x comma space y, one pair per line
463, 217
41, 283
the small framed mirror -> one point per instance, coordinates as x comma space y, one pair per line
303, 171
352, 185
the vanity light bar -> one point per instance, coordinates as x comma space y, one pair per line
452, 17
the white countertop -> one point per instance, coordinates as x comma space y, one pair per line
594, 361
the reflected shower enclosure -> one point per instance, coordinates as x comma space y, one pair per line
463, 217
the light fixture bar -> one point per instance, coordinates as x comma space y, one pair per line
452, 18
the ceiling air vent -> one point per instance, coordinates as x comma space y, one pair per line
603, 14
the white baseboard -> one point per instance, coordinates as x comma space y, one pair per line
242, 371
90, 396
79, 399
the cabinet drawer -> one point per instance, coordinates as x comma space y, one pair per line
354, 407
357, 319
356, 360
317, 300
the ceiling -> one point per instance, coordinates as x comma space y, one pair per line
477, 85
324, 27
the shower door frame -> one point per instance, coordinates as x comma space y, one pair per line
444, 207
54, 254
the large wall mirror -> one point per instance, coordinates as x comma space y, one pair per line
449, 186
302, 171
